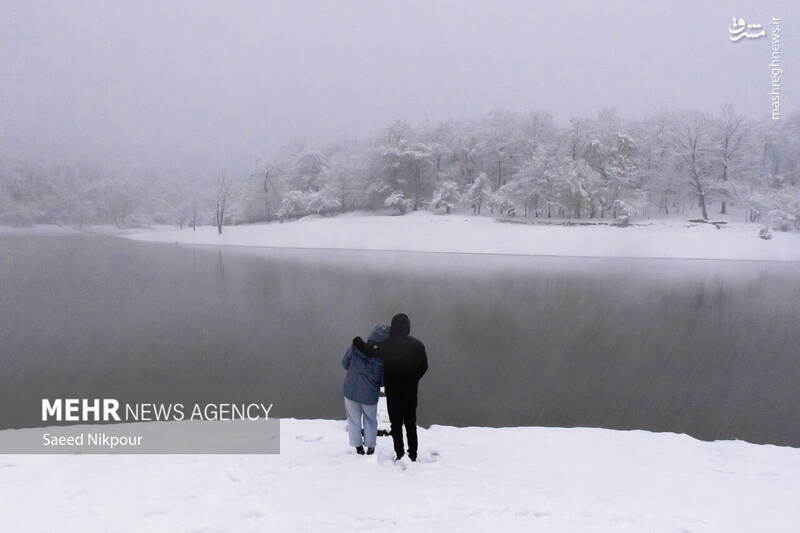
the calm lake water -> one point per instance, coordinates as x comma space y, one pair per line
708, 348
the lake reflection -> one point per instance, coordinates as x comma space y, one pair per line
708, 348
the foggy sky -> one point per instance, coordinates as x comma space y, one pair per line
182, 86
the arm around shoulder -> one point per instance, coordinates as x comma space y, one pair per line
368, 349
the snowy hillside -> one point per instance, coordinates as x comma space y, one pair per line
467, 479
428, 232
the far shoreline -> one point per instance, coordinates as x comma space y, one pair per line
424, 232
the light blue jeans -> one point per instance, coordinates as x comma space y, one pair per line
355, 412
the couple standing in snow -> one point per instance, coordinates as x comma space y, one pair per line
392, 358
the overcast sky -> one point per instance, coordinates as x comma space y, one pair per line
206, 84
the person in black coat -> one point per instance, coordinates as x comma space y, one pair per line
404, 363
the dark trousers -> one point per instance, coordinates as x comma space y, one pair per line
402, 405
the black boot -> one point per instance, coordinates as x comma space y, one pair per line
360, 450
412, 456
370, 451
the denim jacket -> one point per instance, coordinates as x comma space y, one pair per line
364, 374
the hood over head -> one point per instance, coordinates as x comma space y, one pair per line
379, 334
401, 325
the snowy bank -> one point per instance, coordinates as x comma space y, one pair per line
428, 232
467, 479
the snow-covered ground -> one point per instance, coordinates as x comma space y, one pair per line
466, 479
428, 232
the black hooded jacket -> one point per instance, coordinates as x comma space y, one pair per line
404, 357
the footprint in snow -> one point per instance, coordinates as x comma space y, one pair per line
254, 514
429, 457
305, 438
402, 464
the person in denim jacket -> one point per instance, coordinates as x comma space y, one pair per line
361, 390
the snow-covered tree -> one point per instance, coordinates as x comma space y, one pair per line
446, 196
479, 192
410, 160
326, 201
398, 201
730, 137
537, 129
504, 199
223, 192
294, 204
663, 164
692, 141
